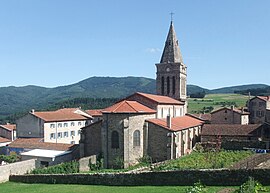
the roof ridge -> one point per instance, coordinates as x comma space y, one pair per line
131, 105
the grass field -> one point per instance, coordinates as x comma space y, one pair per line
216, 101
11, 187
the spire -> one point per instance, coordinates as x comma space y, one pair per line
171, 52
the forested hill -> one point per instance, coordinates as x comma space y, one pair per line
22, 99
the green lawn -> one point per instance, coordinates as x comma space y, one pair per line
215, 101
11, 187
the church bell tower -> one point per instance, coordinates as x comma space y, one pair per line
171, 75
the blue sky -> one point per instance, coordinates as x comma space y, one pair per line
58, 42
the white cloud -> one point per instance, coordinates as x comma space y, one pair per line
153, 50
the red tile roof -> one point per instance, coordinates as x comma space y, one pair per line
229, 129
128, 107
66, 114
9, 127
38, 143
265, 98
95, 112
201, 116
178, 123
158, 98
239, 111
4, 140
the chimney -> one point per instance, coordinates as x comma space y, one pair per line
232, 107
169, 121
33, 111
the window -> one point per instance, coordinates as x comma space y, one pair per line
168, 85
225, 111
173, 85
59, 135
136, 138
65, 134
72, 142
162, 85
52, 126
59, 124
115, 140
52, 136
72, 124
72, 133
79, 132
65, 124
79, 123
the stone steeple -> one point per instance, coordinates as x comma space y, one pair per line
171, 52
171, 71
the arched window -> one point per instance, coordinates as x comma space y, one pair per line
173, 85
168, 85
115, 140
136, 138
162, 85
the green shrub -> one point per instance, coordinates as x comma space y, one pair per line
64, 168
251, 186
13, 157
198, 187
146, 160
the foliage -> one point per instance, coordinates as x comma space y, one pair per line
198, 187
198, 95
265, 91
63, 168
146, 160
13, 157
98, 165
206, 160
118, 163
251, 186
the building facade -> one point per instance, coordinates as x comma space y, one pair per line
8, 131
60, 126
258, 107
230, 116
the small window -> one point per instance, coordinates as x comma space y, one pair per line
79, 132
52, 126
79, 123
72, 142
59, 124
65, 134
59, 135
72, 133
136, 138
225, 118
72, 124
52, 136
65, 124
115, 140
225, 111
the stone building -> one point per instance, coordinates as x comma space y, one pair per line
230, 116
171, 74
258, 108
60, 126
8, 131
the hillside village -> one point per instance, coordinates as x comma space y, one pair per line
139, 125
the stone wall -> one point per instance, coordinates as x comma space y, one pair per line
17, 168
220, 177
85, 161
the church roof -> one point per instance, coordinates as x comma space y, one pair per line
178, 123
126, 106
171, 52
158, 98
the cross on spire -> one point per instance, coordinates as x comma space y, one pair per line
171, 16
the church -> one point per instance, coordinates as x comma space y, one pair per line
145, 124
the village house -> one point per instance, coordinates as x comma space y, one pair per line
8, 131
230, 116
60, 126
259, 107
47, 154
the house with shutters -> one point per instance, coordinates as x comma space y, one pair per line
60, 126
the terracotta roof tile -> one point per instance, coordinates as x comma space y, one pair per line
201, 116
95, 112
128, 107
229, 129
178, 123
239, 111
265, 98
66, 114
9, 127
4, 140
158, 98
38, 143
